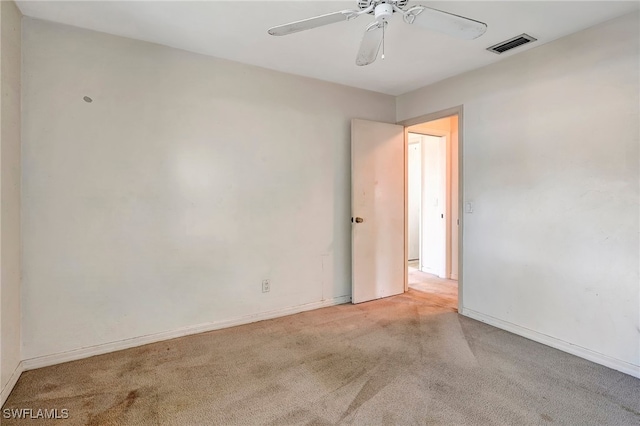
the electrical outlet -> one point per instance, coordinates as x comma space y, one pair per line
266, 286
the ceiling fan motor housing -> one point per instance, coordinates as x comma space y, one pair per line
383, 11
364, 4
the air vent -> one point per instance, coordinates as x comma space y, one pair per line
512, 43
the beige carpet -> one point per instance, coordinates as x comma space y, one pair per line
399, 361
443, 292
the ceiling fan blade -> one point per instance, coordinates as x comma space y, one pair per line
317, 21
444, 22
370, 43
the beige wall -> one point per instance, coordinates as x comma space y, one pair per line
551, 163
164, 203
10, 30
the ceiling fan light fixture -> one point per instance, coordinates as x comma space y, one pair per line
383, 11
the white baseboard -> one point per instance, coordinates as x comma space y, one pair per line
429, 270
6, 390
588, 354
47, 360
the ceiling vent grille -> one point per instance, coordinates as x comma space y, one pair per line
512, 43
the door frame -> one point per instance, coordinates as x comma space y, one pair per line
457, 110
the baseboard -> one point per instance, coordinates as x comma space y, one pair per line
59, 358
429, 271
454, 277
6, 390
588, 354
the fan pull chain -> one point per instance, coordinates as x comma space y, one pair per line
384, 27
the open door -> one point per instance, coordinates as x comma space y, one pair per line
378, 210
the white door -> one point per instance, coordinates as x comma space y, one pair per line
433, 255
378, 210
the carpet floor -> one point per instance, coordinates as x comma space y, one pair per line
403, 360
443, 292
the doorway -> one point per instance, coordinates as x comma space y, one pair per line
432, 209
380, 212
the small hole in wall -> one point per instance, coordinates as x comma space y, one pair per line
87, 99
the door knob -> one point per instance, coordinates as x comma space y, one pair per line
359, 220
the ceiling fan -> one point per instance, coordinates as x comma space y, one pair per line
422, 16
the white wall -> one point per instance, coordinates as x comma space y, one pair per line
10, 29
551, 163
165, 202
433, 254
414, 188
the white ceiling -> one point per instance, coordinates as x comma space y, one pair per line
237, 30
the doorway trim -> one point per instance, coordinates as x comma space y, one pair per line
457, 110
